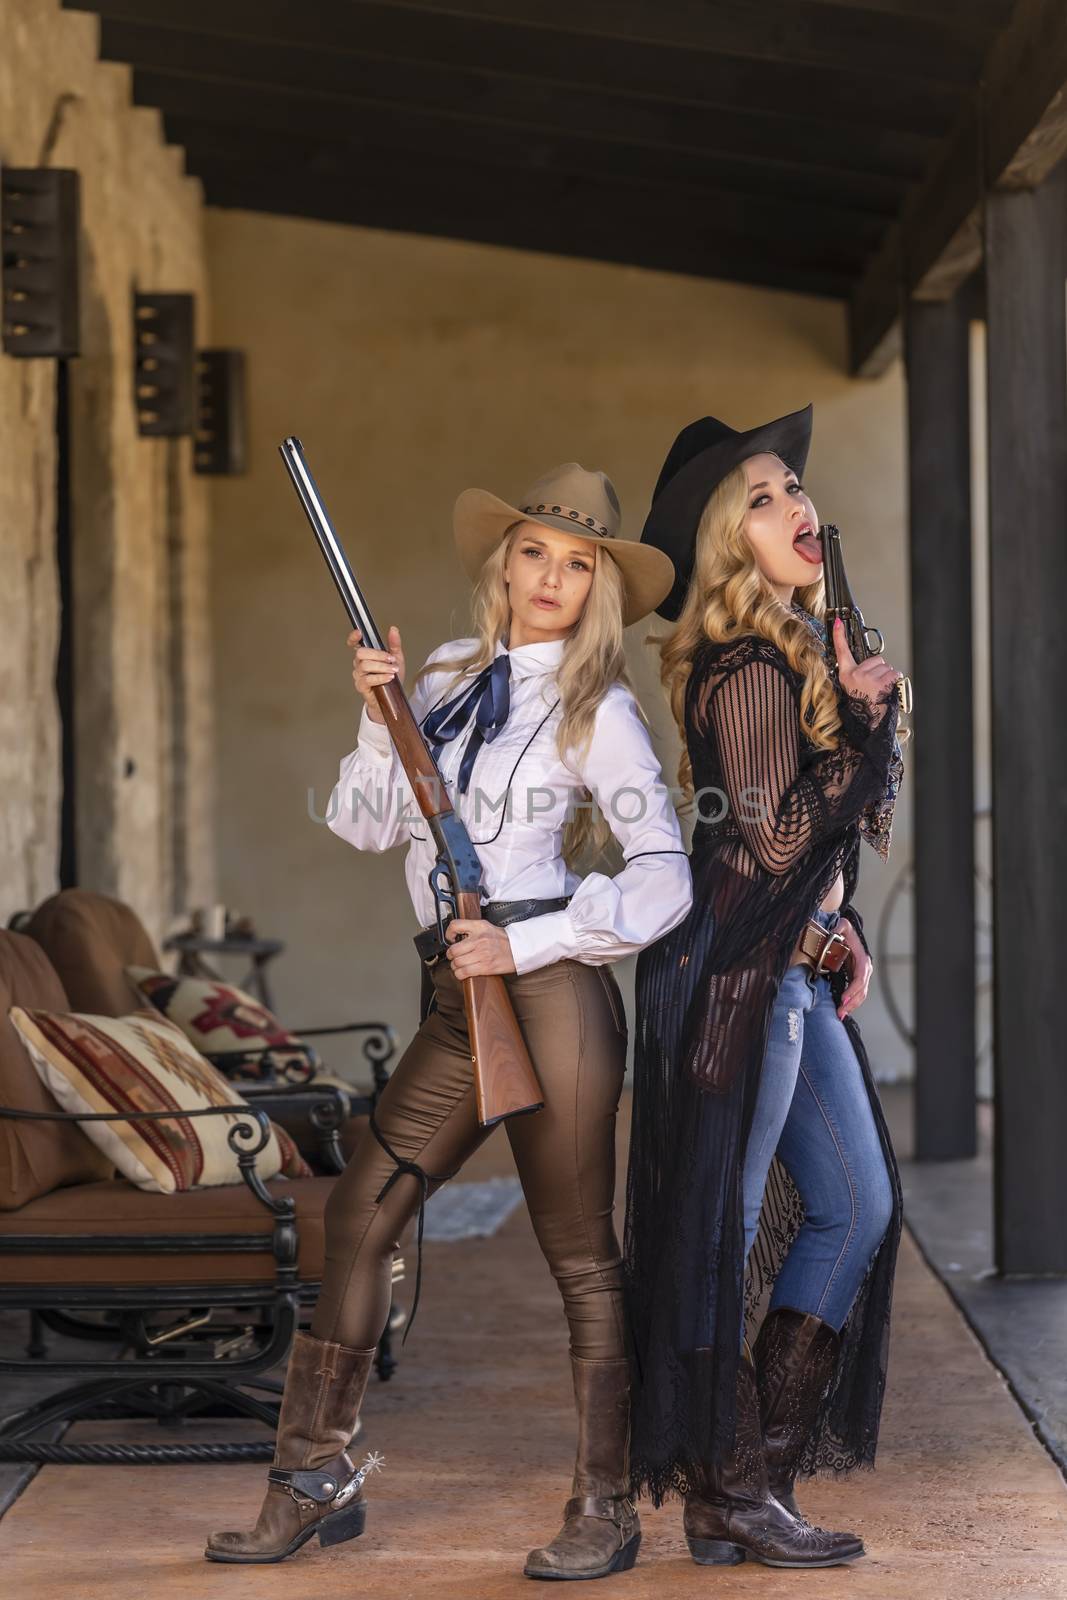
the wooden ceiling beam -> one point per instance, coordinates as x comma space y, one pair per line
1011, 133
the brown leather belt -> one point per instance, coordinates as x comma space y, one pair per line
826, 949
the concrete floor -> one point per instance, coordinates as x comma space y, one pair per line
477, 1431
1021, 1322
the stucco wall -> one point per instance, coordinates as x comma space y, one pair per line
143, 684
413, 368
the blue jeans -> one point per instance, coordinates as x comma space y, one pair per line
812, 1110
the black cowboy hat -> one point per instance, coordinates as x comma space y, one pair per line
703, 454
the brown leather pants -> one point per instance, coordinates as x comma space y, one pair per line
572, 1019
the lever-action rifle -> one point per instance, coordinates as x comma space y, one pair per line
504, 1079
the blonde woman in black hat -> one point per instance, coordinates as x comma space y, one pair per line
530, 719
757, 1135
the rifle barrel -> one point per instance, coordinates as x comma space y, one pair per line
292, 453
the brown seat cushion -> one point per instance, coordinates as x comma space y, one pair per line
35, 1157
91, 940
118, 1208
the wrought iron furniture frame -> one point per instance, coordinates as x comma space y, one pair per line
161, 1385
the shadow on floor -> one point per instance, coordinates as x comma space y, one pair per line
1021, 1322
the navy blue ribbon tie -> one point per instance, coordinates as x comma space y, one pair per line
489, 697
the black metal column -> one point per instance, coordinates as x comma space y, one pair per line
941, 760
65, 674
1026, 264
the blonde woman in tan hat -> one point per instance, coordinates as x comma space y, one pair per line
532, 722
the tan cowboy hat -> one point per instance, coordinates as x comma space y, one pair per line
569, 499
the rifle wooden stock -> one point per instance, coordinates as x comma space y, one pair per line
505, 1082
419, 765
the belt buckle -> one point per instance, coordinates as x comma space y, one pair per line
834, 938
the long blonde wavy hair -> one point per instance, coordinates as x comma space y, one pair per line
593, 660
728, 597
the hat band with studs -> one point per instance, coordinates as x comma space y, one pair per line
575, 516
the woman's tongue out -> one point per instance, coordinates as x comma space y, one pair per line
809, 546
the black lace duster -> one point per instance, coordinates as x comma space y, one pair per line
704, 996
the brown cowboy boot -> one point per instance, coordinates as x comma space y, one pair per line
313, 1485
795, 1359
734, 1514
601, 1533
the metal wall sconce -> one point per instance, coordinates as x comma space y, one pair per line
39, 222
220, 413
164, 356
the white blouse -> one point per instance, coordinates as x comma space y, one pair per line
515, 809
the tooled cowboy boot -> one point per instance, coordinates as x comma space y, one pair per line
795, 1358
601, 1532
734, 1514
313, 1486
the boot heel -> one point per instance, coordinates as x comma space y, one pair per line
340, 1526
715, 1552
627, 1555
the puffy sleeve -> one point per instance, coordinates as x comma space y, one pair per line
783, 801
372, 803
611, 917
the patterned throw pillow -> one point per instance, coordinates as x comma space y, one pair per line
144, 1063
221, 1020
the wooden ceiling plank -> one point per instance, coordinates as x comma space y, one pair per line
460, 215
798, 33
848, 237
402, 63
966, 16
748, 134
369, 129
